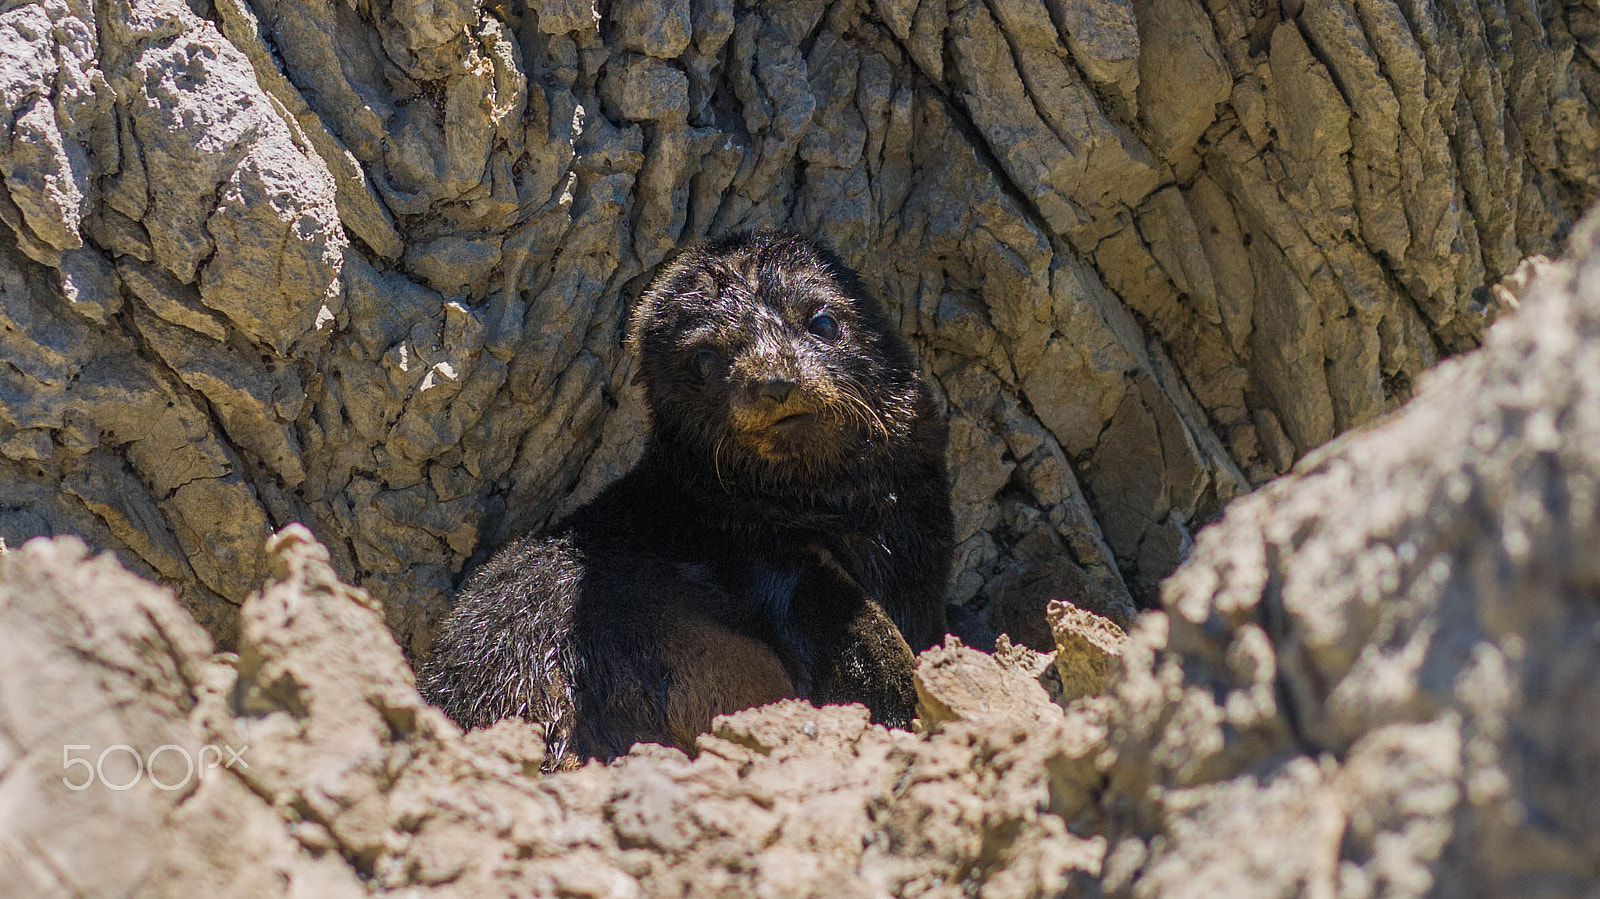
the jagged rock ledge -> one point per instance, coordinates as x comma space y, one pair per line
346, 780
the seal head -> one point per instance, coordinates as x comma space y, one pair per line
762, 353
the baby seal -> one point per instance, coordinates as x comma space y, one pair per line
787, 532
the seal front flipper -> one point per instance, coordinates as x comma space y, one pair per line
856, 654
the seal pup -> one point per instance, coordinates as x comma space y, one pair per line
786, 533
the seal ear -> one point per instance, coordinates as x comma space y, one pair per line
636, 324
644, 309
669, 282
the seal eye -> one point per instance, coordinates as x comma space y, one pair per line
705, 363
824, 326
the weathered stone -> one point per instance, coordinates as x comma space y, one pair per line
1374, 657
1087, 649
661, 30
452, 265
135, 685
1104, 39
1150, 253
359, 208
345, 778
1182, 75
955, 683
568, 15
643, 88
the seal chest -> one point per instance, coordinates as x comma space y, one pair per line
786, 532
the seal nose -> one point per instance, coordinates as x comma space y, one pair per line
776, 388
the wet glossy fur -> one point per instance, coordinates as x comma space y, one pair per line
788, 523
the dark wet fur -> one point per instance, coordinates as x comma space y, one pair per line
822, 542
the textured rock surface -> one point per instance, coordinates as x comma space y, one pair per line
1392, 656
347, 783
364, 266
1378, 676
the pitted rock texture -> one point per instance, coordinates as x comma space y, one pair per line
1392, 655
1377, 676
364, 266
347, 783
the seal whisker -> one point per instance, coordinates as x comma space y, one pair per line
716, 461
852, 390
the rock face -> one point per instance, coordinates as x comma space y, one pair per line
1391, 657
364, 266
1379, 675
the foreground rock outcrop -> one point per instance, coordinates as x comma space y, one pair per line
363, 266
345, 781
1390, 658
1378, 676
